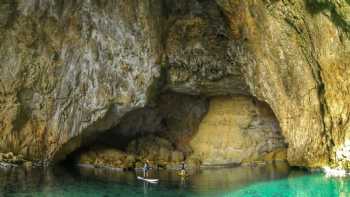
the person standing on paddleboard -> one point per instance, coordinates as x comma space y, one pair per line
146, 169
182, 169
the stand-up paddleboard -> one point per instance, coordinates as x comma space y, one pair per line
148, 180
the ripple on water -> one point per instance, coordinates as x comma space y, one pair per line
270, 180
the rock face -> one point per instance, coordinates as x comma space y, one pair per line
293, 55
158, 151
198, 50
237, 130
174, 117
72, 69
298, 57
69, 69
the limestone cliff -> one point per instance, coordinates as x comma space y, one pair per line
72, 69
294, 55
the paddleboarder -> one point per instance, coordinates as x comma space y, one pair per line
146, 169
182, 169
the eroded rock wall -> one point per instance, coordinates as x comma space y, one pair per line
174, 117
200, 51
70, 69
286, 52
238, 130
294, 46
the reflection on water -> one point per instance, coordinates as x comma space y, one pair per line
205, 181
270, 180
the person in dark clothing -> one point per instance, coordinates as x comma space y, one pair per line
182, 169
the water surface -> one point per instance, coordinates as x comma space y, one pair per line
269, 180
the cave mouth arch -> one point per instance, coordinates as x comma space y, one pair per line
203, 131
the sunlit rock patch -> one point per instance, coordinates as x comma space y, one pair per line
238, 130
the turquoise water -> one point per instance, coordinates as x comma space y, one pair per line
270, 180
314, 185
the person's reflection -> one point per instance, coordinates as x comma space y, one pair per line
145, 186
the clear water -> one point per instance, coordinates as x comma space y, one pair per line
270, 180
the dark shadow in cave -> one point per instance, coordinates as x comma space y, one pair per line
174, 117
175, 121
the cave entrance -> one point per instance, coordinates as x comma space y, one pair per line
203, 131
160, 132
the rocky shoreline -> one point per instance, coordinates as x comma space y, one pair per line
190, 169
9, 160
